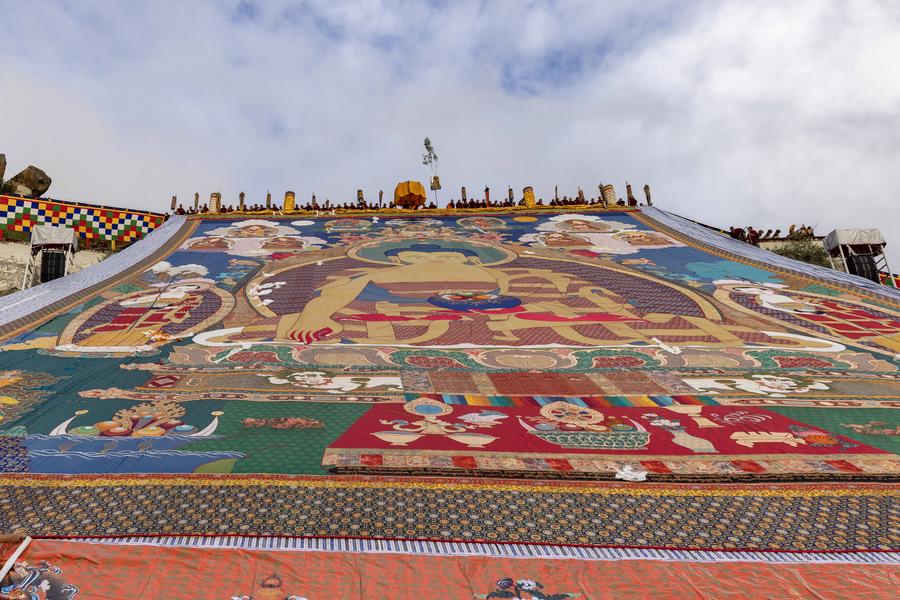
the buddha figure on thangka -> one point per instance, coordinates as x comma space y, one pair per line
451, 292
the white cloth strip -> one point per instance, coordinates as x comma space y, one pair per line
11, 561
24, 302
435, 548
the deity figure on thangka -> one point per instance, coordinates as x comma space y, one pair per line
822, 315
592, 236
139, 322
253, 237
449, 292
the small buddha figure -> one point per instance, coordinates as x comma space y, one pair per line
643, 238
558, 239
283, 243
210, 243
253, 231
584, 226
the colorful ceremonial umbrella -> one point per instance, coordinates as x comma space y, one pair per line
409, 194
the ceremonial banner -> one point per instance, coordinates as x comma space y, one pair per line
533, 367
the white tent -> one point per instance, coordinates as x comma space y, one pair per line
860, 252
853, 237
50, 235
49, 240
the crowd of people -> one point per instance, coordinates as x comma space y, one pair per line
463, 203
753, 236
509, 203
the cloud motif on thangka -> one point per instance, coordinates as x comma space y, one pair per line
252, 237
591, 233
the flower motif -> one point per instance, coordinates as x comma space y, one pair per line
528, 584
9, 378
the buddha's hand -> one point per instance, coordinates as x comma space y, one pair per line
309, 337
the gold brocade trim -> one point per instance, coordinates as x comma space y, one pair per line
890, 490
858, 457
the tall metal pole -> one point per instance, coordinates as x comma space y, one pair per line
890, 273
844, 258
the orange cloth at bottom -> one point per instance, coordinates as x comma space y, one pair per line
116, 571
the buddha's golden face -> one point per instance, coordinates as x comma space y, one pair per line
412, 257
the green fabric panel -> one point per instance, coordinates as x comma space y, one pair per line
269, 450
838, 419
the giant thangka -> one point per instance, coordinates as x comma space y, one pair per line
493, 384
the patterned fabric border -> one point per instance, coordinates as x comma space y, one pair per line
785, 490
88, 221
721, 468
746, 517
587, 401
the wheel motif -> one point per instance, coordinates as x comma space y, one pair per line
571, 413
426, 407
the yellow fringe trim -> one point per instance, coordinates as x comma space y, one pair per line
891, 490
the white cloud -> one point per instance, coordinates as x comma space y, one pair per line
764, 113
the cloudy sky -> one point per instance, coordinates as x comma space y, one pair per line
763, 113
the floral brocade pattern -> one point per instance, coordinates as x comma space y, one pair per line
751, 517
